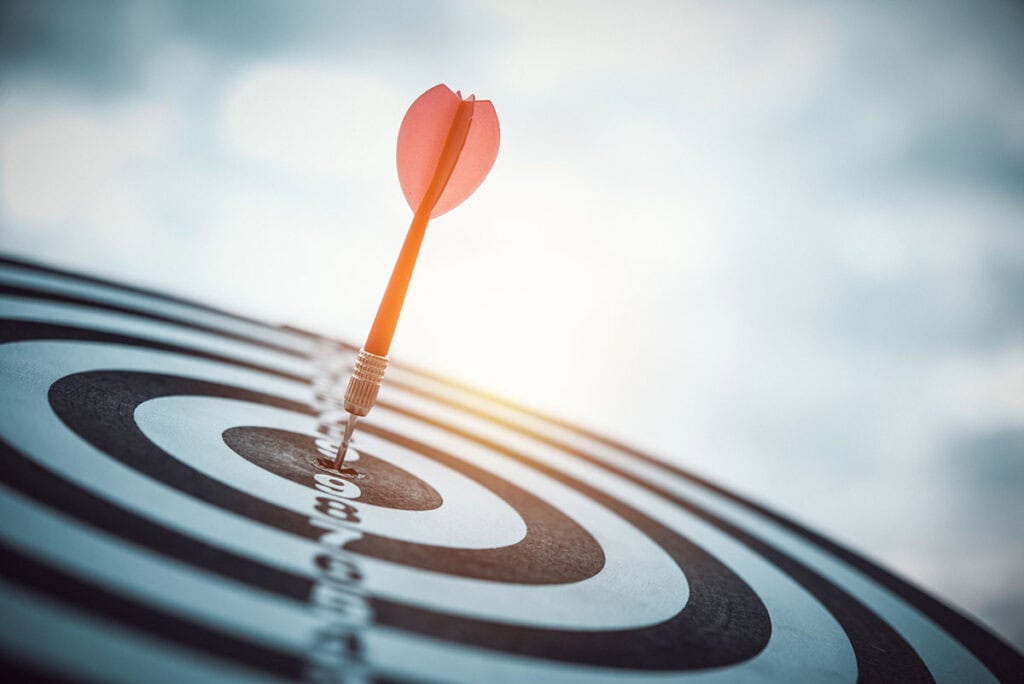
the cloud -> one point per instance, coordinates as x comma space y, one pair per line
727, 58
100, 49
309, 120
66, 164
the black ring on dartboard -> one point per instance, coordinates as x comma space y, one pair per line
31, 479
100, 407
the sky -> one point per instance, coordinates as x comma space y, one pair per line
781, 244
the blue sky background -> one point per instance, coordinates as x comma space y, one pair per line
781, 244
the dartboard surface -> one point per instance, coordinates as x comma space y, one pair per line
167, 517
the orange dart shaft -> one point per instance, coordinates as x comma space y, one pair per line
379, 340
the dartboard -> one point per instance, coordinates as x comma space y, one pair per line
168, 515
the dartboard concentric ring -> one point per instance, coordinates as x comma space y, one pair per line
165, 518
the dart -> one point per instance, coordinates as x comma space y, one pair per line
447, 144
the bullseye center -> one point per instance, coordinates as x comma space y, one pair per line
294, 456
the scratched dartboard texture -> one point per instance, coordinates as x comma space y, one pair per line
164, 519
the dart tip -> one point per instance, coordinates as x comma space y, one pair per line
350, 427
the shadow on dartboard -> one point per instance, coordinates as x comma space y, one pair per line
168, 516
